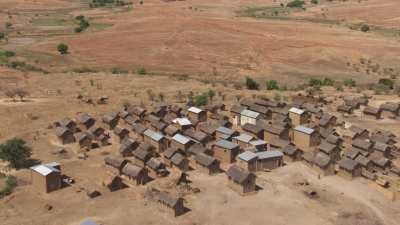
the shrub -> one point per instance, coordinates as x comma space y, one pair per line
272, 85
318, 83
201, 99
116, 70
365, 28
211, 94
295, 4
314, 2
386, 82
349, 83
80, 17
251, 84
142, 71
62, 48
16, 152
11, 183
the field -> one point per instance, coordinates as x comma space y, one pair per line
191, 46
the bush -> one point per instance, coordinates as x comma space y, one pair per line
272, 85
251, 84
142, 71
318, 83
117, 70
314, 2
80, 17
16, 152
62, 48
295, 4
2, 35
11, 183
386, 82
201, 99
349, 83
365, 28
211, 94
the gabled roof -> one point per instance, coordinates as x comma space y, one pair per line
247, 156
225, 130
322, 160
131, 170
327, 147
182, 121
296, 111
205, 160
238, 174
352, 153
181, 139
154, 164
361, 144
249, 113
197, 148
177, 158
171, 130
243, 137
196, 135
44, 169
83, 117
289, 149
251, 128
390, 106
277, 130
115, 161
270, 154
304, 129
258, 142
260, 109
226, 144
156, 136
195, 110
348, 164
362, 160
60, 131
138, 128
167, 199
369, 110
325, 119
141, 154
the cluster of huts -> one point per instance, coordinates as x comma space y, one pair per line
387, 110
255, 135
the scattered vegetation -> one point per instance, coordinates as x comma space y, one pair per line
319, 83
251, 84
62, 48
272, 85
295, 4
389, 83
103, 3
22, 66
141, 71
10, 184
364, 28
349, 83
16, 152
83, 24
116, 70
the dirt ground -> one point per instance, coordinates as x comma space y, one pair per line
188, 46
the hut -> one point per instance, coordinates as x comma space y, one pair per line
331, 150
269, 160
180, 141
115, 163
128, 145
323, 164
46, 177
248, 116
111, 120
65, 135
171, 130
247, 160
156, 139
138, 129
156, 168
141, 157
390, 110
85, 120
170, 202
327, 121
179, 161
182, 123
345, 109
224, 133
363, 145
349, 168
240, 180
197, 114
136, 175
298, 116
275, 131
84, 140
243, 140
207, 164
235, 114
372, 112
114, 183
69, 124
225, 151
122, 133
291, 153
305, 138
197, 136
254, 130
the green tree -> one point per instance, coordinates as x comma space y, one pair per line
349, 83
201, 99
16, 152
2, 35
272, 85
211, 94
62, 48
251, 84
365, 28
142, 71
295, 4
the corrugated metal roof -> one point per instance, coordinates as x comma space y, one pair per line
225, 130
258, 142
244, 138
296, 110
153, 135
195, 110
247, 156
44, 169
269, 154
180, 139
304, 129
226, 144
250, 113
182, 121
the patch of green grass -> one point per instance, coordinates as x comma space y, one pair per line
51, 21
100, 26
10, 184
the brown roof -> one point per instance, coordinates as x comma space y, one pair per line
142, 154
170, 152
205, 160
289, 150
327, 147
196, 135
132, 119
322, 160
139, 111
138, 128
131, 170
171, 130
197, 148
361, 144
280, 143
260, 109
352, 153
390, 106
277, 130
167, 199
61, 131
348, 164
333, 139
114, 161
177, 158
237, 109
325, 119
369, 110
345, 108
362, 160
382, 147
251, 128
238, 174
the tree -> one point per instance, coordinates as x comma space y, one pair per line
21, 94
142, 71
11, 94
16, 152
349, 83
62, 48
2, 35
251, 84
272, 85
365, 28
201, 99
211, 94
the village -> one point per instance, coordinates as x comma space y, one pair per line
242, 140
